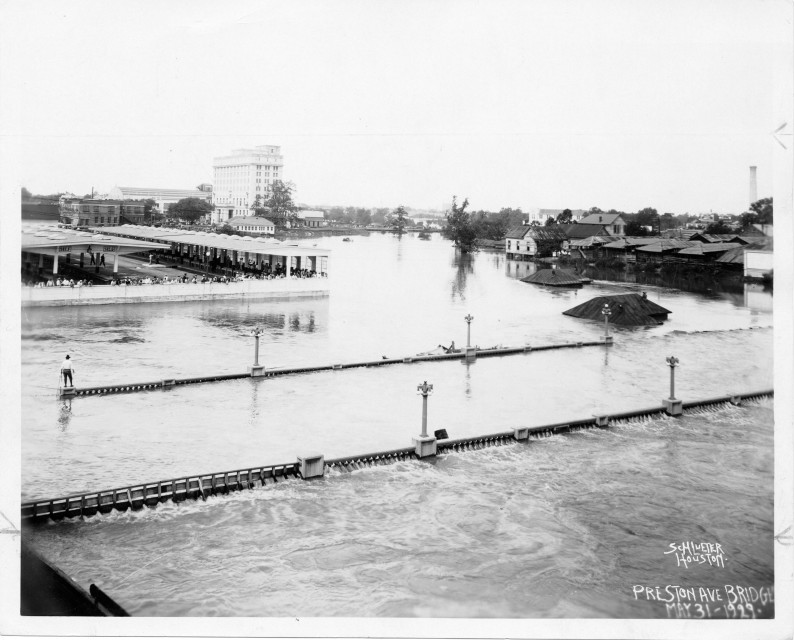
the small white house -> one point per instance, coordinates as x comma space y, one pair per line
313, 219
253, 224
519, 245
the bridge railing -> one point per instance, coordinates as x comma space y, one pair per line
201, 486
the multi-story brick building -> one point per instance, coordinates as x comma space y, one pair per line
97, 212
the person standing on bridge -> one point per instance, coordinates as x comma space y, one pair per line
66, 369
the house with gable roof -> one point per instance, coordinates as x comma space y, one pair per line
614, 223
526, 242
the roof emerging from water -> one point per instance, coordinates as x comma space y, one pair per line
555, 278
627, 309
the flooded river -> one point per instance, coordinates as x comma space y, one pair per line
562, 527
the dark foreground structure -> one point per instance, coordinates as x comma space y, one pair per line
46, 591
627, 309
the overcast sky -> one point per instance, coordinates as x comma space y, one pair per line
522, 104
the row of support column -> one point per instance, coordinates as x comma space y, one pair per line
234, 259
82, 261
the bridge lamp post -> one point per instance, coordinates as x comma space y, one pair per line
257, 369
606, 312
468, 320
424, 444
672, 406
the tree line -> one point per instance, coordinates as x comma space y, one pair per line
465, 228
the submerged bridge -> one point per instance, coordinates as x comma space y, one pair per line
202, 486
257, 370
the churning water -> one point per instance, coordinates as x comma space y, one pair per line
566, 526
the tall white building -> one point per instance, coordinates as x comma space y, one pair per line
243, 175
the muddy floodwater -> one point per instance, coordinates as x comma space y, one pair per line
566, 526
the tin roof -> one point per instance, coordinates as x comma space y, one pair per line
45, 238
517, 233
628, 309
704, 248
583, 230
555, 278
666, 245
736, 255
220, 241
591, 241
600, 218
629, 242
258, 220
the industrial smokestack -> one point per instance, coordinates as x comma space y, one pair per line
753, 185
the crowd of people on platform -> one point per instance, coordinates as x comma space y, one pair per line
60, 282
236, 276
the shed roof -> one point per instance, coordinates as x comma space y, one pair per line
628, 309
704, 248
667, 245
220, 241
582, 230
600, 218
736, 255
258, 220
591, 241
555, 278
550, 232
48, 239
518, 233
630, 242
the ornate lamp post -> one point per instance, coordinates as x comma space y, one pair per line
672, 406
468, 320
424, 444
672, 361
256, 334
257, 369
424, 390
606, 312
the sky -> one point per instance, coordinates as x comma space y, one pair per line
526, 104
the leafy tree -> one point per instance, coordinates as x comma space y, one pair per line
760, 213
667, 221
363, 216
718, 227
634, 228
226, 229
460, 227
648, 217
512, 217
399, 220
763, 209
379, 215
26, 195
550, 221
566, 217
281, 208
189, 209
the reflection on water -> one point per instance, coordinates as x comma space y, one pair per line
65, 414
560, 511
464, 266
725, 286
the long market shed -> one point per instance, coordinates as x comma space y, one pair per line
228, 250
